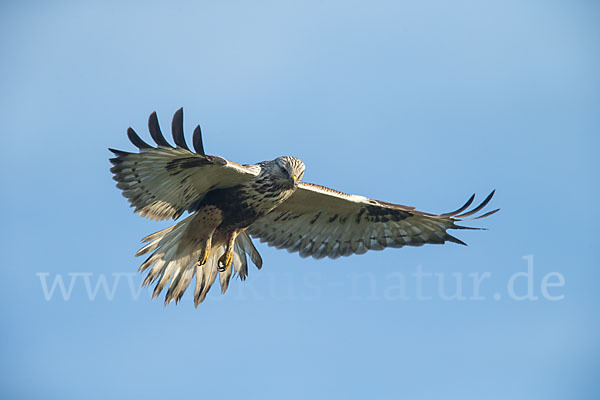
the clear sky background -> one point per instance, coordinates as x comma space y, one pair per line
421, 103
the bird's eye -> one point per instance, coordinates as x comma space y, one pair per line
285, 172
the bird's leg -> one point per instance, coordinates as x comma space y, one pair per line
226, 259
201, 230
205, 252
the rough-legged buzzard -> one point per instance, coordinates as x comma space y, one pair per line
228, 202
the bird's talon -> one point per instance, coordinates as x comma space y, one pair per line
204, 257
225, 262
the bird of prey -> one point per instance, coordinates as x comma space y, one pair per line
227, 203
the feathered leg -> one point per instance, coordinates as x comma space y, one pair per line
205, 251
227, 258
207, 220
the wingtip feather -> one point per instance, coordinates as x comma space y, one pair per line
136, 140
197, 141
155, 132
177, 129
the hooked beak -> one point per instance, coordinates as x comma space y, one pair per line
295, 179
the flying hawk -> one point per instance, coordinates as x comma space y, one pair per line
228, 202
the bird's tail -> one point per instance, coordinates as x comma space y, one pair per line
175, 261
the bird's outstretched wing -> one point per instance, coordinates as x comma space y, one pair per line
164, 181
321, 222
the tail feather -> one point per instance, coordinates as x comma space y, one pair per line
248, 247
174, 262
242, 266
206, 275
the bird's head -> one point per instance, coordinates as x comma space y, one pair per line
287, 168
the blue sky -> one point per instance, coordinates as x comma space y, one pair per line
420, 103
